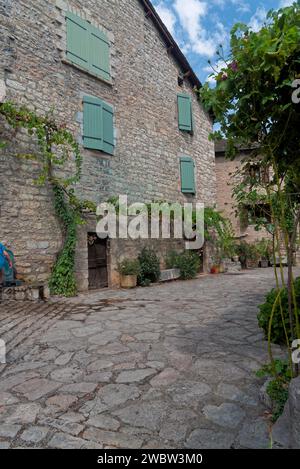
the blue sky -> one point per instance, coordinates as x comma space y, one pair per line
199, 26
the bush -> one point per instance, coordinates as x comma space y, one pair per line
172, 260
187, 262
129, 267
247, 252
149, 267
277, 334
277, 388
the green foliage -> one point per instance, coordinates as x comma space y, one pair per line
188, 262
252, 99
247, 252
264, 248
129, 267
219, 231
172, 260
62, 281
150, 267
56, 146
277, 388
277, 331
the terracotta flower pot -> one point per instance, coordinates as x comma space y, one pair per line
128, 281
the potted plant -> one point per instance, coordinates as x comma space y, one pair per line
265, 251
242, 250
252, 260
216, 264
129, 270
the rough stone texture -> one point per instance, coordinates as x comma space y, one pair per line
34, 434
286, 431
227, 415
148, 142
200, 391
225, 169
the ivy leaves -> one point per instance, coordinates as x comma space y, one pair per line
56, 147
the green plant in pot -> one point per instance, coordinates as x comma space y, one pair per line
150, 267
248, 255
252, 260
129, 269
264, 248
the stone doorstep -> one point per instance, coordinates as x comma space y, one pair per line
33, 293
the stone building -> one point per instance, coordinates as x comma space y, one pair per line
114, 63
227, 174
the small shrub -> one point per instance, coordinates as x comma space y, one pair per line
129, 267
277, 331
149, 267
189, 264
172, 260
277, 388
247, 252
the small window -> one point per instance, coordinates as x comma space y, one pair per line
187, 172
98, 125
185, 112
88, 47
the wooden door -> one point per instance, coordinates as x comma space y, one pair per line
97, 249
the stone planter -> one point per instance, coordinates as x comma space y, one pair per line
128, 281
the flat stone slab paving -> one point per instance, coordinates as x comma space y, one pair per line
169, 366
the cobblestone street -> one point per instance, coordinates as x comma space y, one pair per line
170, 366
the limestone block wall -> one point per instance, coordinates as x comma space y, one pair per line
226, 179
143, 92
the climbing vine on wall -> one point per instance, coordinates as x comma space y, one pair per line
57, 148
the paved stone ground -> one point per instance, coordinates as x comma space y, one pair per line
170, 366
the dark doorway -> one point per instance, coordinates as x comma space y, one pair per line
98, 275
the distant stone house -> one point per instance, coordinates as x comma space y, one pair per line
113, 63
227, 174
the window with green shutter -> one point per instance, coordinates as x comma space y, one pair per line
98, 125
88, 47
187, 172
185, 112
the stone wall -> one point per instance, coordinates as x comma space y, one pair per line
226, 179
144, 90
286, 431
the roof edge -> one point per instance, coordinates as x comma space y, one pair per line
172, 44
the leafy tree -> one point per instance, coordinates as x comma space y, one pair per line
254, 103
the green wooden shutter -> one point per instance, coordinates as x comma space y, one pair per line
108, 129
98, 125
99, 53
77, 40
187, 170
92, 123
185, 117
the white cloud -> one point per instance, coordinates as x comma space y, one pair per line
167, 16
258, 19
286, 3
191, 14
240, 5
